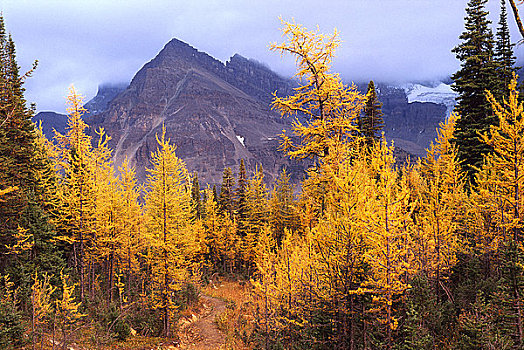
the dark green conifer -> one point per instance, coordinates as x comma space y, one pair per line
371, 122
196, 200
225, 199
283, 214
20, 164
476, 75
504, 56
240, 198
215, 195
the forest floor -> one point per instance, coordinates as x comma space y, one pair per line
201, 332
209, 324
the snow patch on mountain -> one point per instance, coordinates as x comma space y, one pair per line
437, 93
240, 139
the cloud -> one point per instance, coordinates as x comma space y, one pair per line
88, 42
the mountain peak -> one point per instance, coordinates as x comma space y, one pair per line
179, 46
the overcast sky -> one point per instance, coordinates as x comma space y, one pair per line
88, 42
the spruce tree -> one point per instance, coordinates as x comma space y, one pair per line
476, 75
17, 142
283, 214
225, 199
504, 56
240, 198
196, 201
24, 165
371, 122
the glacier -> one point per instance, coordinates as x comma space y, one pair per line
439, 92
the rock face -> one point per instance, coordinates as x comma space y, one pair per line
106, 93
215, 113
412, 126
50, 121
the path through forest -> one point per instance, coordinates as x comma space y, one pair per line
201, 332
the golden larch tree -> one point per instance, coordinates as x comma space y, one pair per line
171, 245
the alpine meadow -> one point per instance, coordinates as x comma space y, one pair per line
347, 241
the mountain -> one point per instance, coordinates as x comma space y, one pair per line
106, 93
50, 121
412, 116
215, 113
436, 92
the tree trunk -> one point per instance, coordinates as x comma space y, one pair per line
518, 21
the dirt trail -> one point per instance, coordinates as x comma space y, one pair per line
202, 333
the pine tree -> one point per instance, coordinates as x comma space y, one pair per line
371, 122
257, 213
476, 75
19, 163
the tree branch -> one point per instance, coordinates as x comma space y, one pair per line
517, 17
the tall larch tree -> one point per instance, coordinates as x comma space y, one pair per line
331, 108
500, 197
76, 220
389, 225
129, 223
167, 216
477, 74
442, 208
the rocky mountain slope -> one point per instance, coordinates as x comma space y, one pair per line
217, 113
412, 124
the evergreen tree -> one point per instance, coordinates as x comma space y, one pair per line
476, 75
18, 163
196, 200
371, 122
257, 213
283, 214
214, 194
225, 199
504, 56
240, 199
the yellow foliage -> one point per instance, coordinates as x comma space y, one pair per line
330, 106
172, 247
499, 196
388, 229
443, 205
